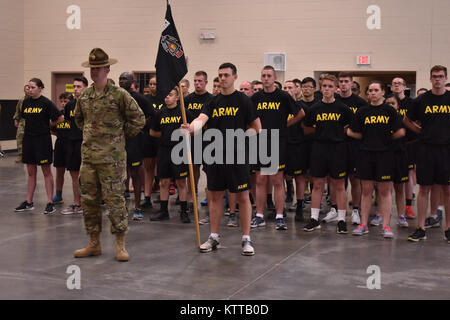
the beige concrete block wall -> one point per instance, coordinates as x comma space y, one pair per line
314, 35
12, 49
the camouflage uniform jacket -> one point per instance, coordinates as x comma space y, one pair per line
17, 115
105, 120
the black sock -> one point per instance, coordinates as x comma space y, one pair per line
59, 193
164, 205
147, 199
299, 205
408, 202
183, 205
355, 208
334, 206
289, 187
269, 198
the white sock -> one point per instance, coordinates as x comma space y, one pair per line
315, 213
215, 236
441, 208
245, 238
279, 216
260, 215
341, 215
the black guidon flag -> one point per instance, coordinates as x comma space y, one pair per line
171, 62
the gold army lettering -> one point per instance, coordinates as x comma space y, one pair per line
168, 120
32, 110
437, 109
225, 111
328, 117
268, 106
376, 120
195, 106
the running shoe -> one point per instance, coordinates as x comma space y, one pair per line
24, 206
360, 230
58, 200
331, 216
232, 221
377, 220
418, 235
402, 222
432, 222
409, 212
341, 227
209, 245
247, 248
184, 217
204, 203
137, 214
72, 209
257, 222
204, 220
356, 219
447, 235
49, 208
280, 224
2, 154
312, 225
387, 232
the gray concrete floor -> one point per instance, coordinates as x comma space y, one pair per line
36, 251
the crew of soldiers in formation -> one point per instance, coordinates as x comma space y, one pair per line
329, 138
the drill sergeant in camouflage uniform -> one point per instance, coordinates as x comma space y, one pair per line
105, 113
19, 122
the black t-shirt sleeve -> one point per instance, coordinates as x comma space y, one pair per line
356, 124
251, 111
397, 121
156, 122
293, 108
208, 108
53, 112
189, 116
309, 117
412, 110
348, 115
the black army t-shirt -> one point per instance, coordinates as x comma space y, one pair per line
155, 102
433, 112
233, 111
377, 124
306, 105
37, 114
405, 105
147, 108
274, 109
167, 121
354, 102
330, 120
69, 115
295, 132
195, 102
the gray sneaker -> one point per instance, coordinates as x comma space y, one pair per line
377, 220
331, 216
72, 209
257, 222
209, 245
432, 222
402, 222
204, 220
247, 248
232, 221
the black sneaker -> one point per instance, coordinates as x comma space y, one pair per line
418, 235
342, 227
146, 204
280, 224
432, 222
159, 216
447, 235
184, 217
49, 208
25, 206
312, 225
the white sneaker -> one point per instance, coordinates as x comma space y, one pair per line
247, 248
209, 245
356, 219
331, 216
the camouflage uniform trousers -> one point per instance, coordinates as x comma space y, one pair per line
103, 182
19, 136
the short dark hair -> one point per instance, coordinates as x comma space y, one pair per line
228, 65
309, 79
82, 79
278, 83
38, 82
447, 85
425, 89
65, 95
395, 96
438, 68
269, 67
202, 73
382, 85
357, 84
345, 74
256, 82
297, 81
216, 79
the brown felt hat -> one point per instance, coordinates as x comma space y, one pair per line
98, 58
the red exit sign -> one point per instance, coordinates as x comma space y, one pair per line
363, 60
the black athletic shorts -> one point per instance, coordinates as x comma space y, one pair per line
375, 166
401, 170
37, 150
353, 153
73, 154
411, 152
433, 164
294, 165
329, 159
234, 177
282, 149
166, 168
150, 145
59, 154
133, 147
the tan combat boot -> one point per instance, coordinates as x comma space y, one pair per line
121, 252
92, 249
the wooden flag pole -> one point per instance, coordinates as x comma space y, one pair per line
191, 168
